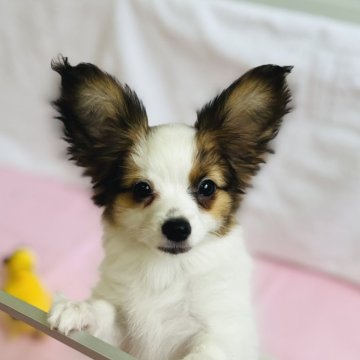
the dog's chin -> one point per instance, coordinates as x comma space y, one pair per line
174, 250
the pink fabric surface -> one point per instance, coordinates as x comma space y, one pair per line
302, 315
306, 316
59, 223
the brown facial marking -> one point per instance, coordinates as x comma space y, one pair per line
208, 162
222, 209
126, 199
221, 204
211, 165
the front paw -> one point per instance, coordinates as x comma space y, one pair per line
68, 316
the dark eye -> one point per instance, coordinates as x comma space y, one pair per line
206, 188
142, 190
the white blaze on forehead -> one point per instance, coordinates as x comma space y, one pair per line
167, 155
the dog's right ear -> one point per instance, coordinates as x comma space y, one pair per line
102, 121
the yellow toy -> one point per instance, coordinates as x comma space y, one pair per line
22, 282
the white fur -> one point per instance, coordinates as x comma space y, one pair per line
191, 306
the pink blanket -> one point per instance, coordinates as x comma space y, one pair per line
302, 315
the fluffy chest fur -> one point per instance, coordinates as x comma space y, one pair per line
163, 302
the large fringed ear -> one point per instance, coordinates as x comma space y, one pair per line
242, 120
102, 121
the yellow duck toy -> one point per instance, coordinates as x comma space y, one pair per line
22, 282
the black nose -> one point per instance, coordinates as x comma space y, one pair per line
177, 229
6, 260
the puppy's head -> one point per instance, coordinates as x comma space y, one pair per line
169, 187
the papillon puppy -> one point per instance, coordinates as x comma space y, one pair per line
175, 282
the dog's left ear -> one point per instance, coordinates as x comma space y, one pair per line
240, 122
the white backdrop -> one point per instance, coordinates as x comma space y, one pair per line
305, 204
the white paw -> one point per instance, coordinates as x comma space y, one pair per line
67, 316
